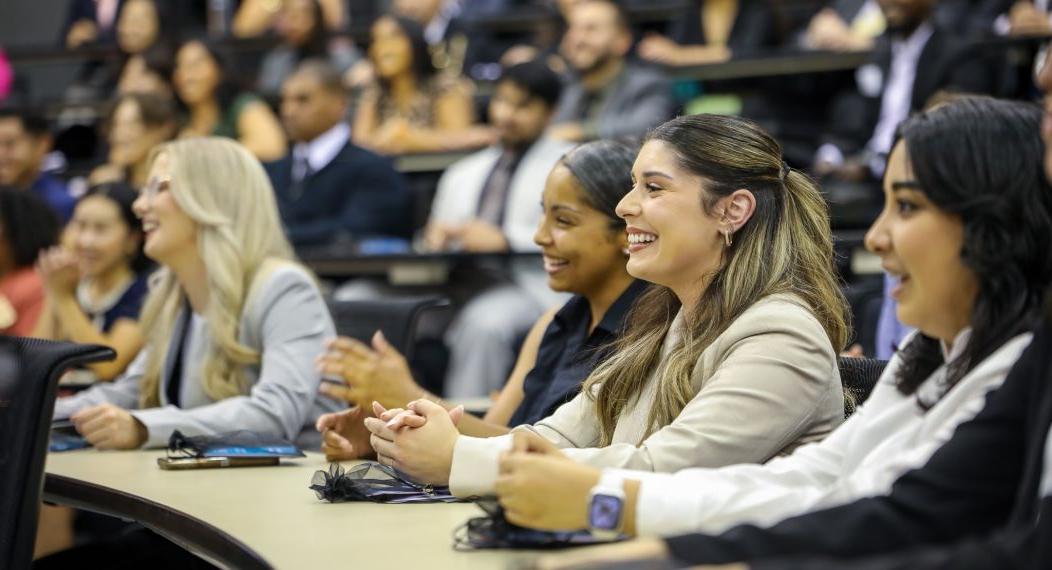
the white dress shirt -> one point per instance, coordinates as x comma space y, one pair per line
887, 436
898, 91
320, 151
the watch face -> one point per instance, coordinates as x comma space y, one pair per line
605, 512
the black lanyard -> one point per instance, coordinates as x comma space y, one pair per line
175, 381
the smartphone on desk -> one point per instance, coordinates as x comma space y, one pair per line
182, 463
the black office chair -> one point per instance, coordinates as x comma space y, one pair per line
859, 376
29, 373
399, 319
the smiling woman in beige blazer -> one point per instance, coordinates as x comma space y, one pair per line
732, 359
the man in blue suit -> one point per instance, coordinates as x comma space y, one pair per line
326, 187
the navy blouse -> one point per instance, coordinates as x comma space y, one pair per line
568, 353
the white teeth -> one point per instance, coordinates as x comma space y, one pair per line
641, 238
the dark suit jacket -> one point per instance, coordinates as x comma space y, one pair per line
358, 194
753, 30
945, 63
85, 10
637, 100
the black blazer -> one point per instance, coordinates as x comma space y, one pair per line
945, 63
85, 10
983, 484
358, 194
753, 30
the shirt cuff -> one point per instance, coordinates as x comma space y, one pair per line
475, 465
661, 510
159, 423
64, 408
829, 153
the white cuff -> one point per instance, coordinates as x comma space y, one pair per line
829, 153
475, 465
663, 511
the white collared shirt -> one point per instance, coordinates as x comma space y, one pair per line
321, 150
887, 436
898, 91
435, 30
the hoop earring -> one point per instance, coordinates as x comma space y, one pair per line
727, 238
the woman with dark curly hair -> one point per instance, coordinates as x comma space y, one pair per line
410, 107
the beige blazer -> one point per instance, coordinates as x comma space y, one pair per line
768, 384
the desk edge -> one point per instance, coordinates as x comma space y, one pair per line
183, 529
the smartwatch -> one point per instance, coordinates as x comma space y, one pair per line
606, 506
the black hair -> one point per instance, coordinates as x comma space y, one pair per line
603, 169
160, 60
31, 118
318, 40
423, 67
982, 160
324, 73
535, 78
229, 81
27, 224
123, 195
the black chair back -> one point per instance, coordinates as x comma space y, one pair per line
860, 375
398, 318
29, 373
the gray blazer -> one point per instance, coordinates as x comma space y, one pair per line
287, 321
639, 99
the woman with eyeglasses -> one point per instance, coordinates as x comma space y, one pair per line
231, 323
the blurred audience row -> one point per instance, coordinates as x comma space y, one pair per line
326, 118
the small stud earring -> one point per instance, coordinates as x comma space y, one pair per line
624, 250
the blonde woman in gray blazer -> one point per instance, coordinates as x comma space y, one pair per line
232, 322
729, 358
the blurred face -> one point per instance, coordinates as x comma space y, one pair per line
422, 11
582, 253
197, 74
137, 78
101, 239
519, 118
170, 234
593, 36
920, 248
138, 26
297, 21
21, 154
672, 241
308, 109
905, 14
130, 138
390, 50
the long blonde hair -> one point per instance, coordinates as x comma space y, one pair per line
786, 247
225, 190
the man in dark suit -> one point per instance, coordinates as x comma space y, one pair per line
327, 188
913, 60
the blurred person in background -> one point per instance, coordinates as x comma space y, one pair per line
216, 107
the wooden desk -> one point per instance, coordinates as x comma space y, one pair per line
263, 517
